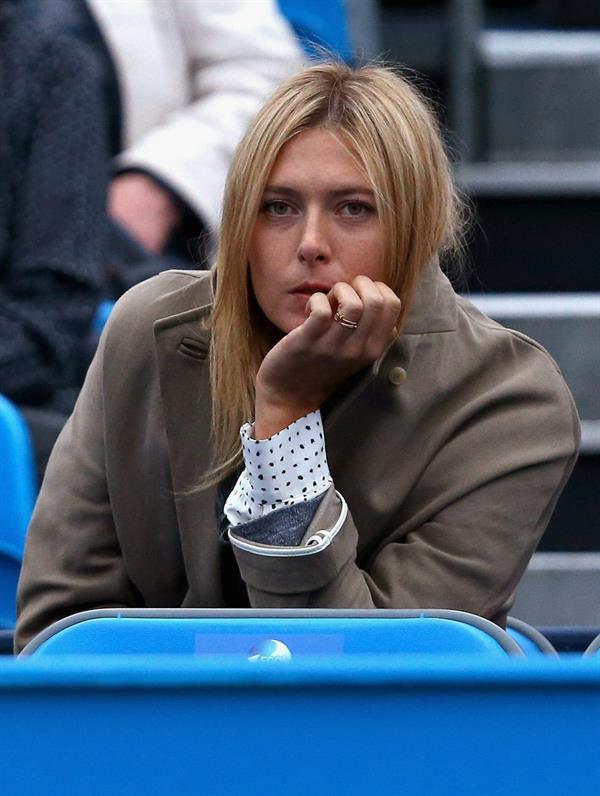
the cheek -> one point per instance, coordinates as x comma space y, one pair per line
365, 256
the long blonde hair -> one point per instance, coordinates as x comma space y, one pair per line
395, 134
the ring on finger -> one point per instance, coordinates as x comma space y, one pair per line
343, 321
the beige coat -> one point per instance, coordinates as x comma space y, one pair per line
450, 455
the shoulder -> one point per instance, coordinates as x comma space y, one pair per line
503, 348
480, 375
514, 370
170, 293
172, 298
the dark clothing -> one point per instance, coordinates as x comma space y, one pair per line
53, 161
73, 19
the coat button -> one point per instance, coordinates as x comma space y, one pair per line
397, 376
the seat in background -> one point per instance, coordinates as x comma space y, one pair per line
17, 496
594, 647
531, 641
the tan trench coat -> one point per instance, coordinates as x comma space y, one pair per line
450, 455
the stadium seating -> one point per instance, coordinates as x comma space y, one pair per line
320, 25
570, 640
417, 725
244, 633
102, 314
594, 647
17, 496
531, 641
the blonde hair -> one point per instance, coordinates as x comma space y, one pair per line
392, 130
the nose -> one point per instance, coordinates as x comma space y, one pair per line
314, 246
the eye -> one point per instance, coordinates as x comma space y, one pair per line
356, 209
277, 208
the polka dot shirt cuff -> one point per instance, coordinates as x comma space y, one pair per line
288, 468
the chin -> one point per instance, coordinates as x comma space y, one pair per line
285, 322
290, 323
285, 319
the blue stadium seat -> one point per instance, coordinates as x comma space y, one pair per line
6, 641
104, 309
10, 566
247, 634
531, 641
594, 647
418, 725
17, 496
319, 25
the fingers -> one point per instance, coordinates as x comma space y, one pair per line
390, 314
344, 298
372, 305
319, 315
381, 310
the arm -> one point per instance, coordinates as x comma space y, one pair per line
460, 532
237, 52
465, 550
73, 559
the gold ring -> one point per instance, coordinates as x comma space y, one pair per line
345, 322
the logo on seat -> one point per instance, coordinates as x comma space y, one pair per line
269, 650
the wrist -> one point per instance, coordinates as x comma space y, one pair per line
272, 416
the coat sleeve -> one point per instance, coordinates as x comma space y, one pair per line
463, 538
73, 559
237, 52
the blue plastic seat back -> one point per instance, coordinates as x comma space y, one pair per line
594, 647
100, 318
319, 24
271, 637
529, 638
528, 646
17, 478
9, 576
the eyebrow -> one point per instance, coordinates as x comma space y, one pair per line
284, 190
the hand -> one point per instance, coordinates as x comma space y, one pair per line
146, 210
304, 367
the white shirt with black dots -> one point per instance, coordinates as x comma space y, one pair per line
289, 467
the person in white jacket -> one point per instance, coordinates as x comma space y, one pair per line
191, 75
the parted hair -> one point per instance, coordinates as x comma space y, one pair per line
394, 134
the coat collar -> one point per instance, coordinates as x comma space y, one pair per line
433, 307
183, 345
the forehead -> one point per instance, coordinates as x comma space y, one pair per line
318, 154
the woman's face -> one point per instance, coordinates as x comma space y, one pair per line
318, 225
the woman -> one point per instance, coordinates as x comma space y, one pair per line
446, 438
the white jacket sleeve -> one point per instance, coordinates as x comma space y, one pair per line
237, 53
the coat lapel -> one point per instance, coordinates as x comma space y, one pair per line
182, 349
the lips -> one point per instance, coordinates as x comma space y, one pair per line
308, 288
